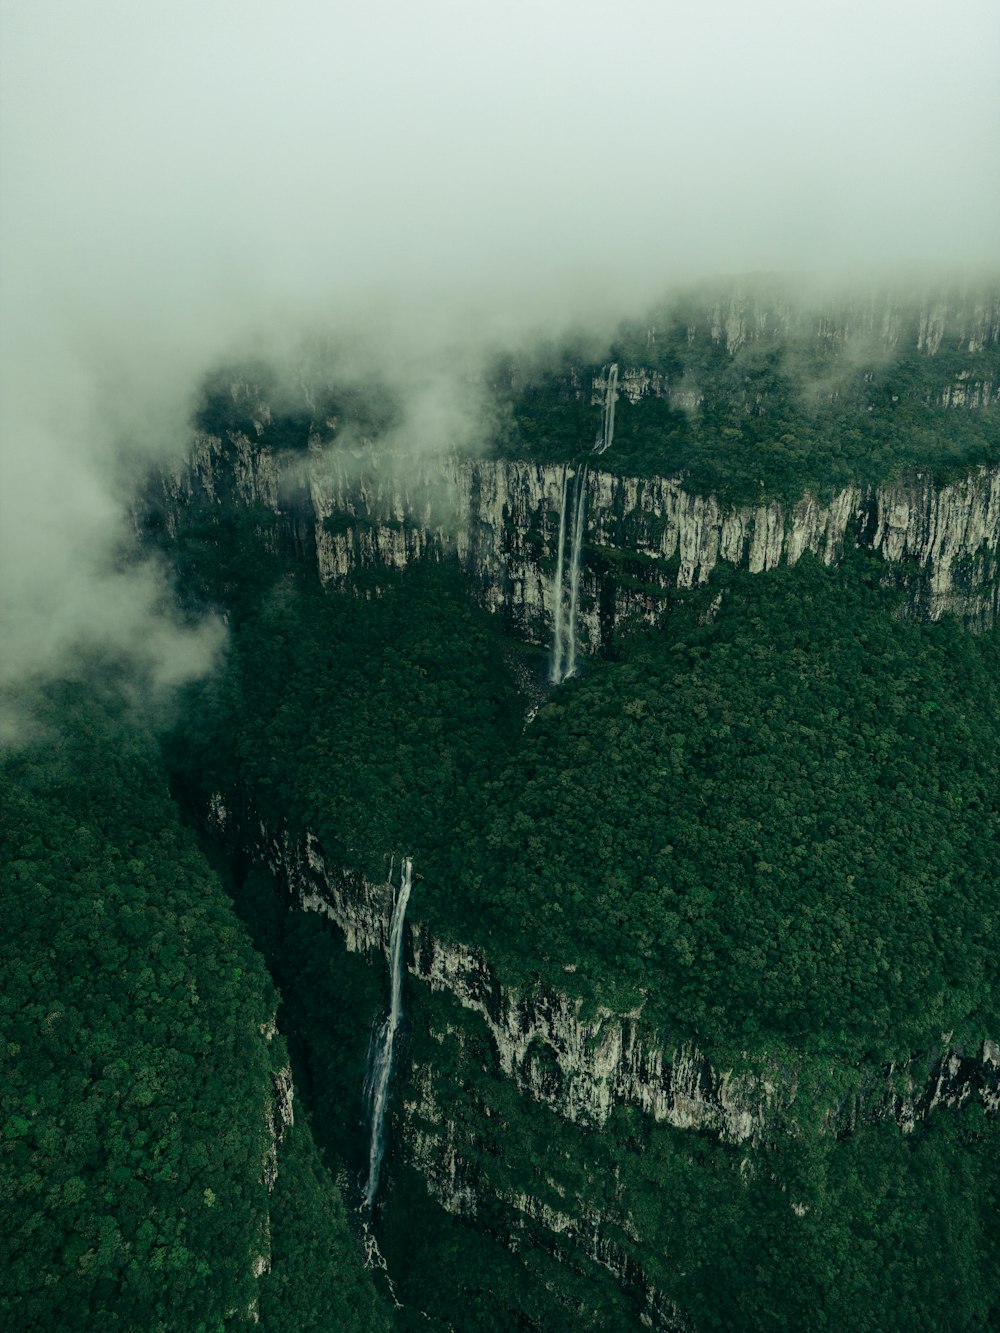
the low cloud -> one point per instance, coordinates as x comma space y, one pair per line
189, 184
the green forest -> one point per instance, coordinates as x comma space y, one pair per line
774, 830
782, 826
766, 829
138, 1074
792, 815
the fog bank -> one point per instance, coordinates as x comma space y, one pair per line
186, 183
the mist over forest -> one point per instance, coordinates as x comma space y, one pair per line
183, 187
545, 457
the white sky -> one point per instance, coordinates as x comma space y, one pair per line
293, 148
174, 174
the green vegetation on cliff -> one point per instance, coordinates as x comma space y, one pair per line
778, 825
774, 823
782, 823
370, 719
316, 1283
137, 1093
884, 1231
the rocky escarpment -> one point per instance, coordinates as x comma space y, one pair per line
754, 309
597, 1061
471, 1037
583, 1065
279, 1116
642, 537
646, 535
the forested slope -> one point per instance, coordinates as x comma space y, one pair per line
777, 821
783, 822
763, 834
772, 827
141, 1121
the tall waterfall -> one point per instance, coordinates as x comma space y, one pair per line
558, 603
574, 565
607, 434
380, 1060
564, 620
564, 642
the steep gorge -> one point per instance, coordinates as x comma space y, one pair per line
548, 1126
551, 1187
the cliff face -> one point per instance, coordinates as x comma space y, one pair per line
470, 1037
968, 323
590, 1065
594, 1063
279, 1116
642, 536
826, 340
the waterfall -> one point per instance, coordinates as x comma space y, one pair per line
558, 603
574, 565
564, 624
380, 1060
610, 398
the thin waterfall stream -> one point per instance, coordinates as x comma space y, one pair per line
564, 619
558, 621
607, 435
380, 1063
566, 600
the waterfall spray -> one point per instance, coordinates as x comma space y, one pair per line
564, 620
608, 426
574, 566
558, 602
380, 1067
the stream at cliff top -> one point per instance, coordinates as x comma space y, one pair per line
380, 1061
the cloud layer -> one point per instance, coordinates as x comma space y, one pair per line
184, 180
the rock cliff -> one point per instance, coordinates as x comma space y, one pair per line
583, 1069
642, 536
